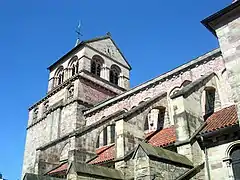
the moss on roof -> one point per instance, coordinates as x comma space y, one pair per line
29, 176
99, 171
165, 154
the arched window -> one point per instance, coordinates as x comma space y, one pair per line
96, 65
209, 104
235, 159
35, 114
59, 76
106, 137
114, 74
73, 66
155, 119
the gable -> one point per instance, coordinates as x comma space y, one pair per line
108, 47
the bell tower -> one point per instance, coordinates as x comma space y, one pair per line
93, 71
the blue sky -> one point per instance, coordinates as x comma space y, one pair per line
155, 36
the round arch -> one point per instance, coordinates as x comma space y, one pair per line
72, 61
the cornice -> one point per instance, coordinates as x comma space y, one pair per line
73, 78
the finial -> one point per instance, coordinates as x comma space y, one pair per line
78, 31
109, 34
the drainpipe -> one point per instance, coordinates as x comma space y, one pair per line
206, 160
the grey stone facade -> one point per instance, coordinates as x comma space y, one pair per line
88, 107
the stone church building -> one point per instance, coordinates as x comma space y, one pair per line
181, 125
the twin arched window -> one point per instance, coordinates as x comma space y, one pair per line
96, 65
114, 74
155, 119
107, 136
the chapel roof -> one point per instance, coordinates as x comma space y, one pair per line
104, 154
162, 138
223, 118
61, 169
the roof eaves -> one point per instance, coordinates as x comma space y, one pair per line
76, 47
66, 55
206, 22
220, 130
130, 68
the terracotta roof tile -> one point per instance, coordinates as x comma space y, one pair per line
221, 119
60, 169
104, 154
163, 137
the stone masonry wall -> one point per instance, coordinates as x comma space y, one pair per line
148, 169
166, 85
228, 33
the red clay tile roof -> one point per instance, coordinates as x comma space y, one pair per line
104, 154
221, 119
163, 137
61, 169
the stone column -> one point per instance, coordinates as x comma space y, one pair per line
101, 139
109, 134
153, 119
121, 81
105, 72
181, 124
66, 74
126, 140
180, 119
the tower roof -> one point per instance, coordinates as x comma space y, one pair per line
82, 43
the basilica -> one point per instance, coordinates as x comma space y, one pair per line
183, 124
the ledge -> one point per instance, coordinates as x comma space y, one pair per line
82, 131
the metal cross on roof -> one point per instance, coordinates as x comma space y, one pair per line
78, 31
